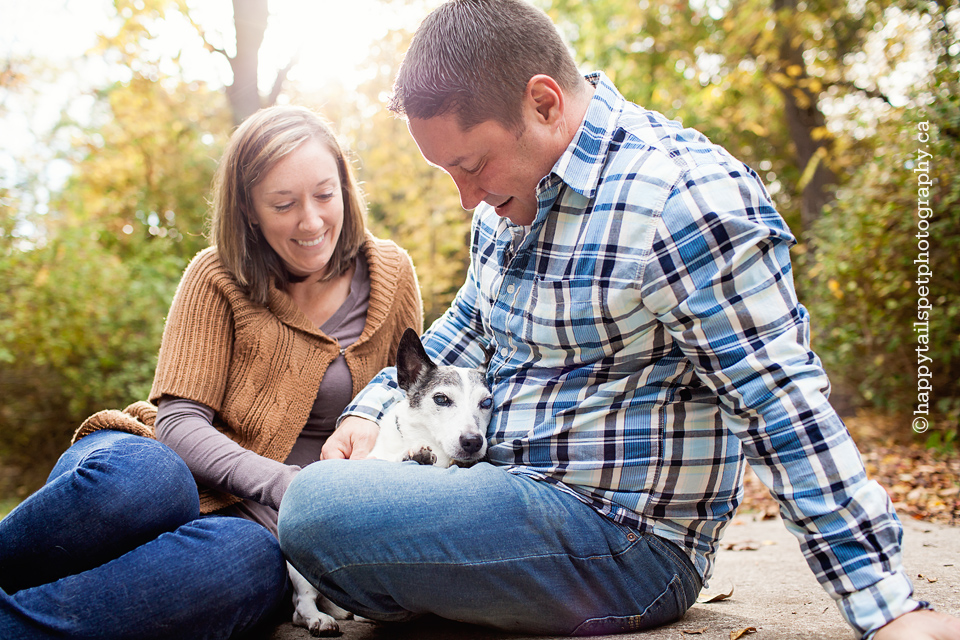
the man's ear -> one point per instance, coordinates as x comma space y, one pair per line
545, 96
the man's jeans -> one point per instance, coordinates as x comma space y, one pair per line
113, 547
390, 541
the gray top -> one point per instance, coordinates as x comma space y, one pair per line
218, 462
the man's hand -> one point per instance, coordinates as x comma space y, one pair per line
921, 625
353, 439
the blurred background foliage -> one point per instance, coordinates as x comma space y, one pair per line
821, 97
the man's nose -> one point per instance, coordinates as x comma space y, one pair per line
470, 193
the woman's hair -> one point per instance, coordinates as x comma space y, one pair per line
258, 144
474, 58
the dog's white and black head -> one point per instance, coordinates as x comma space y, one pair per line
448, 405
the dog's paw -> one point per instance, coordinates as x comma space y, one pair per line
318, 623
423, 455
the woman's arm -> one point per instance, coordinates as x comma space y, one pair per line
215, 460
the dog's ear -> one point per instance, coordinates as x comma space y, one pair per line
412, 360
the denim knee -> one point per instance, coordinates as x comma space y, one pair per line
302, 517
128, 474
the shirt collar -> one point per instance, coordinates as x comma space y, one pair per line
581, 163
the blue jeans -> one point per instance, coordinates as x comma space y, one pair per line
390, 541
113, 546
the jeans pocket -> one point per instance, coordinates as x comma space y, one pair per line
667, 607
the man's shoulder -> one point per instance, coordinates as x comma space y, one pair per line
645, 131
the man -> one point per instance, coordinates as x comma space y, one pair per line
633, 284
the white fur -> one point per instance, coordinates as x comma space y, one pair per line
312, 610
408, 433
449, 426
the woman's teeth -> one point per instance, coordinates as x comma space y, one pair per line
309, 243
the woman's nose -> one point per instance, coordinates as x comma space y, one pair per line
311, 218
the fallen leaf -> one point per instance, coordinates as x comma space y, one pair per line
739, 633
715, 597
746, 545
693, 632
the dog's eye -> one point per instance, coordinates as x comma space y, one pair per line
486, 403
442, 400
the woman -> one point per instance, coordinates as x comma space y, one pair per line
272, 331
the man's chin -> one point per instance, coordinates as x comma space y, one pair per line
516, 212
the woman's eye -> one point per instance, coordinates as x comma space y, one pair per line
283, 207
441, 400
486, 403
325, 197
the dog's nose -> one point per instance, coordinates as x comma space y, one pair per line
471, 444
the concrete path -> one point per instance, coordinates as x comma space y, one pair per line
773, 592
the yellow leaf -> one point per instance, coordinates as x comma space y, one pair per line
714, 597
835, 289
41, 278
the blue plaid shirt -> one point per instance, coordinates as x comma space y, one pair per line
647, 339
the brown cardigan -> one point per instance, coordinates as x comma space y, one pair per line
259, 367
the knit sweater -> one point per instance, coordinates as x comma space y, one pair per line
259, 367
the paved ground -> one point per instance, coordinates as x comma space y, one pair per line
773, 592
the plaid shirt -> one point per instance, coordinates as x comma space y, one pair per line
647, 339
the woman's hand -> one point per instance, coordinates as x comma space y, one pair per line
921, 625
353, 439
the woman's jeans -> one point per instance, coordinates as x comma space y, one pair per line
390, 541
113, 546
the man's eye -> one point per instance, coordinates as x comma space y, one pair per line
486, 403
441, 400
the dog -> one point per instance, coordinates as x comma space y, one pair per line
441, 421
443, 417
312, 610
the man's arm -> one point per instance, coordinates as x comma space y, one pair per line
921, 625
720, 281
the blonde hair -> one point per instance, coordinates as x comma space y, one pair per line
258, 144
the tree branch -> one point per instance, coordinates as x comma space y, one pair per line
870, 93
185, 11
281, 78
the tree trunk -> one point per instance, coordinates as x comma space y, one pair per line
806, 122
250, 18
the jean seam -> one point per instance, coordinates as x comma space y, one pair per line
683, 563
477, 563
673, 585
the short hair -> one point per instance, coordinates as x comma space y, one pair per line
474, 58
256, 147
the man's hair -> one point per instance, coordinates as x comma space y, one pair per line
256, 147
474, 58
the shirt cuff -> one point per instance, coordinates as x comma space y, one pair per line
374, 400
869, 609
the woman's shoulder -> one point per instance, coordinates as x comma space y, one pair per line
207, 265
382, 254
206, 275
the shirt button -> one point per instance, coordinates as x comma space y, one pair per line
510, 288
503, 352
